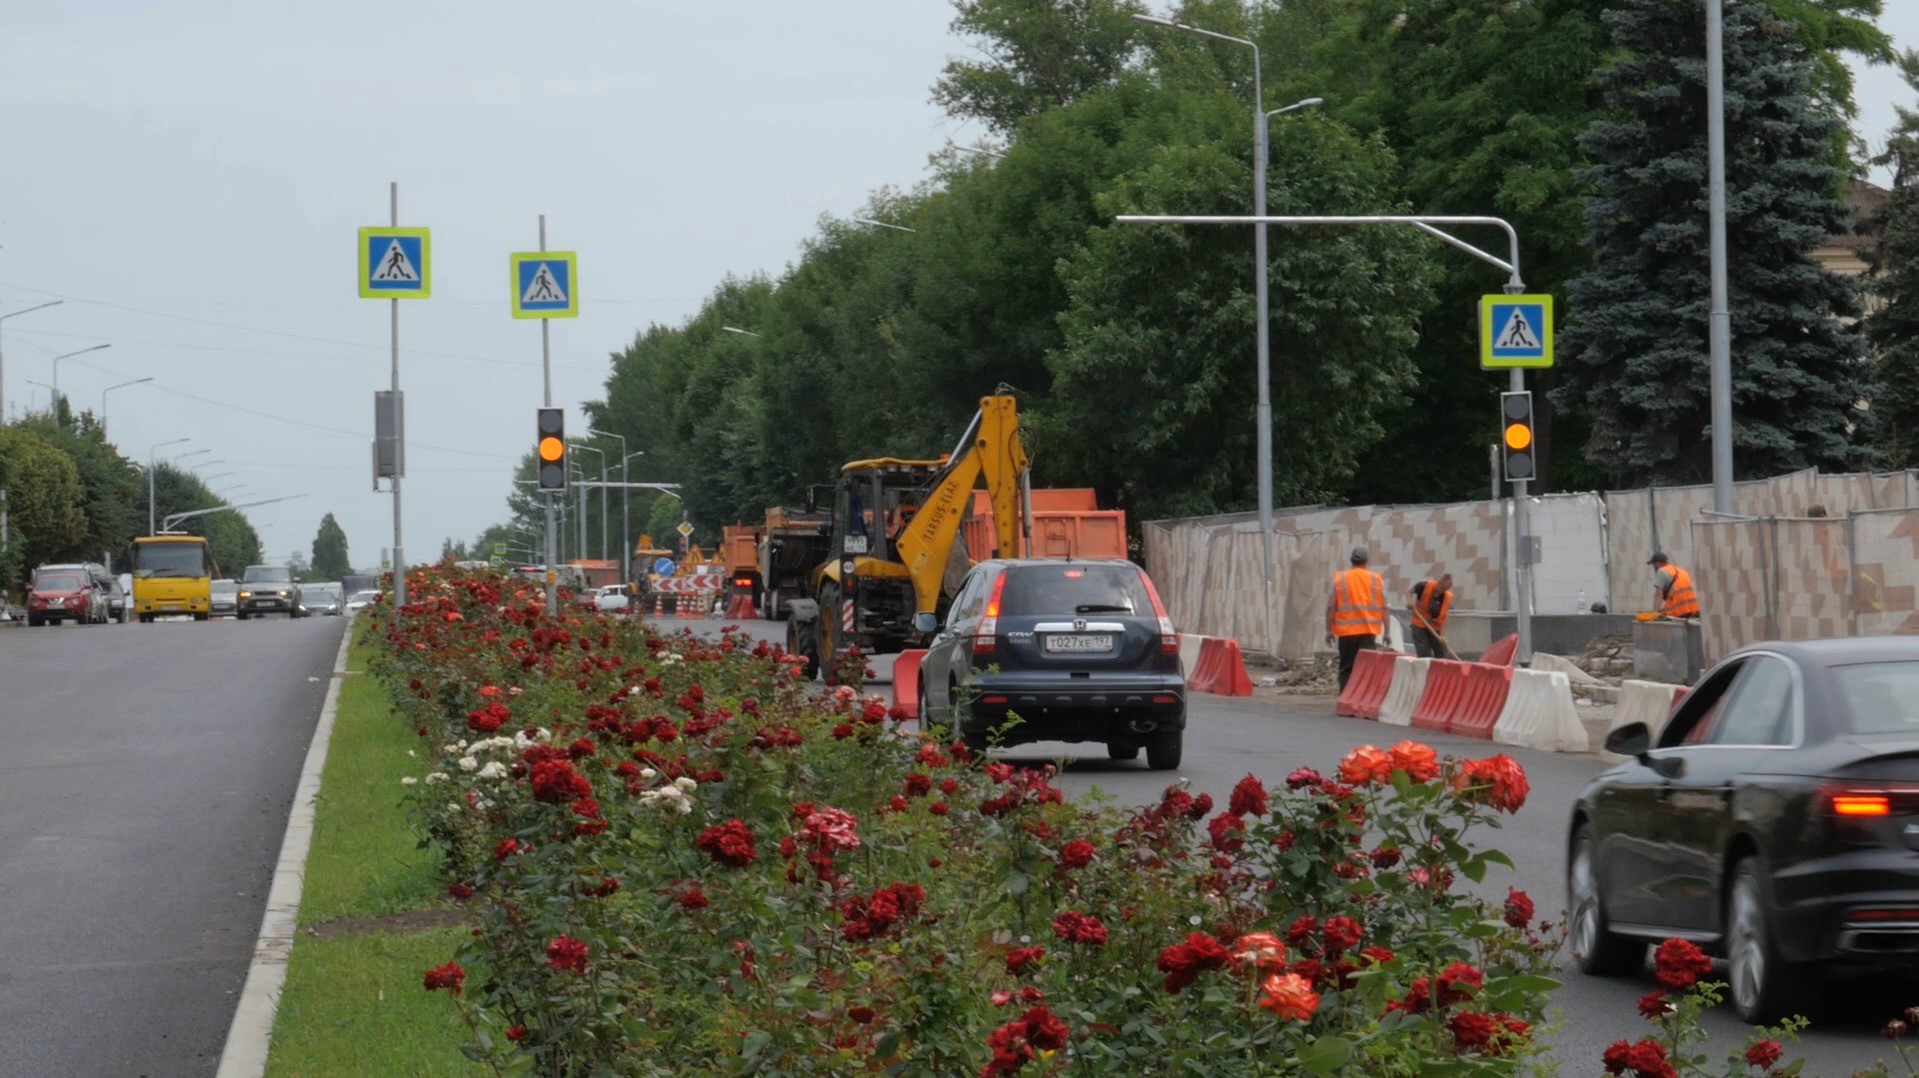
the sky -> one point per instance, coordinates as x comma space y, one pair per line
188, 176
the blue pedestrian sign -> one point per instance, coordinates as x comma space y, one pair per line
1515, 331
544, 284
664, 567
396, 263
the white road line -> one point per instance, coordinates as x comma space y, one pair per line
251, 1034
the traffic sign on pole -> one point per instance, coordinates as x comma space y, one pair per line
544, 284
396, 263
686, 530
1515, 332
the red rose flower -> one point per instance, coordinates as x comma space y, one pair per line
729, 844
1519, 908
1763, 1054
1302, 930
918, 785
1365, 765
1249, 798
861, 1015
1648, 1060
1471, 1030
1615, 1058
1458, 982
938, 808
1303, 778
1654, 1006
1228, 832
1342, 934
949, 787
1079, 928
1289, 996
693, 898
566, 953
449, 977
516, 1033
459, 890
1419, 762
1076, 854
555, 780
1183, 962
1385, 857
1678, 964
1498, 781
506, 848
1021, 959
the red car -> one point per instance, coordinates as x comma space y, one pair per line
65, 593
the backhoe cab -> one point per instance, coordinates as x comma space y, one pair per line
895, 554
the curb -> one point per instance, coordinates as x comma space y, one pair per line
251, 1034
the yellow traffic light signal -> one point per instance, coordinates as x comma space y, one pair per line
551, 449
1517, 436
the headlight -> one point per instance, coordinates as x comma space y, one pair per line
283, 593
246, 595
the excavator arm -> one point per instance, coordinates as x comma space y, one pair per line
991, 448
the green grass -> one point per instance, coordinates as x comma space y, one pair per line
353, 1002
356, 655
354, 1006
365, 860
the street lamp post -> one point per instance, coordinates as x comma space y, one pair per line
56, 368
882, 224
109, 389
741, 332
1719, 319
153, 519
3, 365
603, 532
626, 543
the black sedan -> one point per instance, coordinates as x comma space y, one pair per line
1774, 820
1076, 651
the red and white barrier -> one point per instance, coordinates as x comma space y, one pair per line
1487, 688
1503, 652
1214, 665
1540, 714
1445, 688
906, 681
1366, 688
740, 606
1650, 702
1409, 685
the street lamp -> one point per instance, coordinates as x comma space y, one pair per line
205, 463
109, 389
53, 393
153, 520
626, 542
211, 478
603, 533
2, 355
741, 332
69, 355
882, 224
1265, 406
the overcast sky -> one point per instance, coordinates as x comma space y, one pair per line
195, 171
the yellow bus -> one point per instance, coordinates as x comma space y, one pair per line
172, 574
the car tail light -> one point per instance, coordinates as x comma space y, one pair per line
986, 637
742, 581
1881, 917
1165, 699
992, 699
1854, 803
1168, 638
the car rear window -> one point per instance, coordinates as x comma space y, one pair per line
1879, 698
1075, 588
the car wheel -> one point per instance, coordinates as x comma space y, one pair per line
802, 641
1598, 950
1763, 988
242, 615
826, 652
1164, 750
1118, 751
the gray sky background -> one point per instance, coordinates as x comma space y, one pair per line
196, 171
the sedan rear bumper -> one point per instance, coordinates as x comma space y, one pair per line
1860, 907
1116, 708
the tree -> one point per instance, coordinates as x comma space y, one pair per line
330, 561
44, 499
112, 494
1894, 327
1040, 55
1637, 334
663, 520
231, 540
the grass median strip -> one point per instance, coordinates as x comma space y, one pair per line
373, 916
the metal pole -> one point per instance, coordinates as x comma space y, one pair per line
626, 541
1721, 319
603, 518
1260, 271
1523, 602
1495, 463
399, 447
552, 511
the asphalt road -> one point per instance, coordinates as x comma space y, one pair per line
145, 780
1270, 736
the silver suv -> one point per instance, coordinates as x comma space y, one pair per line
269, 589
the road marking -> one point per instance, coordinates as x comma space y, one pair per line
251, 1034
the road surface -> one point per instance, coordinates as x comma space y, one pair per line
1269, 736
145, 781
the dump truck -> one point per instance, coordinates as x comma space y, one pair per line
792, 543
1065, 522
740, 554
894, 550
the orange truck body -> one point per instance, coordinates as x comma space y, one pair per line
740, 553
599, 574
1067, 523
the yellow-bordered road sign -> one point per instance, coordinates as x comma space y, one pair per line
545, 284
396, 263
1515, 331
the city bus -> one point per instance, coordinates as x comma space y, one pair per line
172, 574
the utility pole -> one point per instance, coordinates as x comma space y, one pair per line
399, 548
552, 497
1720, 320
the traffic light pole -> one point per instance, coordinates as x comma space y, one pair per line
552, 525
399, 455
1523, 559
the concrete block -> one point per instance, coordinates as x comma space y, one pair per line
1670, 651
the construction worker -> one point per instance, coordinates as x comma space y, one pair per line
1432, 601
1674, 586
1356, 612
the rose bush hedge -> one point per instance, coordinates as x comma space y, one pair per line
678, 857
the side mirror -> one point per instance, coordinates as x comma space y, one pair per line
925, 623
1633, 739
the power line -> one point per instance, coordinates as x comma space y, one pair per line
16, 334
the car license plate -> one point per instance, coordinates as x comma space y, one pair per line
1079, 643
172, 606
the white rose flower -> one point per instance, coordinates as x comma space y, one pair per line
468, 763
450, 750
493, 770
453, 806
409, 752
686, 807
408, 781
436, 778
686, 784
648, 773
482, 804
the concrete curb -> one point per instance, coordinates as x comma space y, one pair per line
251, 1034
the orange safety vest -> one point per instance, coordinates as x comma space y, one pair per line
1423, 604
1359, 603
1681, 600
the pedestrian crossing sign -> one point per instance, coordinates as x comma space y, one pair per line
544, 284
396, 263
1515, 331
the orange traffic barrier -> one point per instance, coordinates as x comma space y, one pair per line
1445, 687
1484, 698
1366, 688
740, 606
1502, 653
906, 682
1220, 670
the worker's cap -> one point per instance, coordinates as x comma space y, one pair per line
1360, 554
1657, 559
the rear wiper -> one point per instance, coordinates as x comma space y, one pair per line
1102, 608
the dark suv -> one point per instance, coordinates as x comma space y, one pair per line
269, 589
1078, 651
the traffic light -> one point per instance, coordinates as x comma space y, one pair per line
551, 449
1516, 436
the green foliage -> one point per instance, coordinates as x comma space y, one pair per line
1638, 330
44, 499
113, 495
1038, 55
330, 561
230, 538
662, 519
1894, 327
